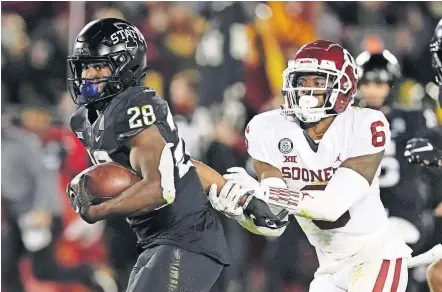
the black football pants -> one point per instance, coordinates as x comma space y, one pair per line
166, 268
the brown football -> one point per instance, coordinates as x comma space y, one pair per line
106, 181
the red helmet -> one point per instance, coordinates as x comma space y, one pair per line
336, 65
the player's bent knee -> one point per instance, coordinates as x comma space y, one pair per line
434, 276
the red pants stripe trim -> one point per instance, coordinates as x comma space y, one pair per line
383, 273
397, 275
382, 276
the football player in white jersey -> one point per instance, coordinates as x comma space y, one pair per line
319, 159
424, 152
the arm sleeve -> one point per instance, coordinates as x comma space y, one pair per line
372, 135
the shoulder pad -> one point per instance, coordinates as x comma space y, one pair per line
259, 136
77, 119
265, 120
371, 133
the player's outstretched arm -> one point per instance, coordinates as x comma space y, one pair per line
208, 176
228, 199
348, 184
152, 159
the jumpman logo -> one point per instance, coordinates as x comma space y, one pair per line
338, 159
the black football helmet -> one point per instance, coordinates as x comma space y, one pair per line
109, 42
436, 56
436, 52
380, 68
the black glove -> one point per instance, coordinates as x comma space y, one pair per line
81, 199
421, 151
262, 216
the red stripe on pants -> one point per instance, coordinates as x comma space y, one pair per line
382, 276
397, 275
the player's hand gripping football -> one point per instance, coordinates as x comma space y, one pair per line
80, 199
421, 151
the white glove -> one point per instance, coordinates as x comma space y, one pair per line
227, 200
260, 218
240, 176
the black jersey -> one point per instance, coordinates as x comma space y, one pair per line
402, 189
189, 222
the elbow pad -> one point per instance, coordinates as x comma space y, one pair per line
166, 169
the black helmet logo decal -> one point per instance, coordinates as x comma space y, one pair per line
127, 33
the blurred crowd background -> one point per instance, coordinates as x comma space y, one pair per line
217, 64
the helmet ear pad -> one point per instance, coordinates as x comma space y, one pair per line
127, 77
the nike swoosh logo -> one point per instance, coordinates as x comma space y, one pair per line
97, 138
422, 149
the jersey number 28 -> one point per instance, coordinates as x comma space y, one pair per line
147, 116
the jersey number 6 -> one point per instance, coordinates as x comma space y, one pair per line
378, 136
147, 119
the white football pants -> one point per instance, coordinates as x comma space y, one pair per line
372, 276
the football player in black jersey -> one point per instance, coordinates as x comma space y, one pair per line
180, 238
420, 150
424, 151
402, 189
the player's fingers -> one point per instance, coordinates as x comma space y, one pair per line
283, 214
231, 193
213, 197
213, 191
216, 205
82, 184
68, 188
232, 176
75, 205
237, 169
238, 193
226, 189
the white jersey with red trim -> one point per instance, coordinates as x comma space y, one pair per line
364, 229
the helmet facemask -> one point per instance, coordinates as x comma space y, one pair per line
436, 60
303, 101
85, 91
